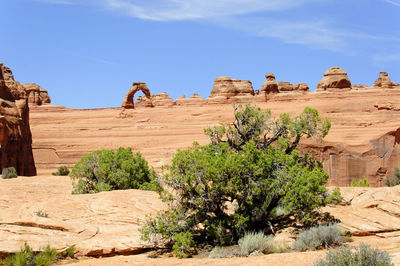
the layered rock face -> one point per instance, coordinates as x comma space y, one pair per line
335, 79
15, 133
162, 99
384, 81
226, 89
136, 86
36, 94
284, 86
270, 85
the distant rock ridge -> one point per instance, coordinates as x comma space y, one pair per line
15, 132
228, 90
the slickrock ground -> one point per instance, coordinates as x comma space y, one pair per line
107, 223
353, 148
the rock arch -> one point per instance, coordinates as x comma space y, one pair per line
136, 86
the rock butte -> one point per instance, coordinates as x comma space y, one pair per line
36, 94
15, 133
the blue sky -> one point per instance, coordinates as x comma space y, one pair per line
87, 53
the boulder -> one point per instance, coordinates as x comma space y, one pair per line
36, 94
335, 79
301, 87
15, 132
384, 81
230, 90
162, 99
270, 85
284, 86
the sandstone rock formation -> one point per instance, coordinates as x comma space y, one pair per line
335, 79
226, 89
384, 81
196, 99
284, 86
359, 87
162, 99
143, 102
270, 85
15, 133
136, 86
36, 94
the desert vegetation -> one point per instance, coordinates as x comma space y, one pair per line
8, 173
61, 171
361, 256
394, 180
106, 170
220, 192
360, 183
47, 256
318, 237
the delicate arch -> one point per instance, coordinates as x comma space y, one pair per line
136, 86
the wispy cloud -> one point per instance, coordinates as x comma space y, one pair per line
170, 10
393, 2
384, 58
256, 17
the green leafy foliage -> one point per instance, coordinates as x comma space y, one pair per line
364, 255
394, 180
360, 183
27, 257
335, 197
183, 244
62, 171
9, 172
322, 236
106, 170
241, 180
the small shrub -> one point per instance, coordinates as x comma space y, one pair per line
183, 244
323, 236
394, 180
105, 170
26, 257
360, 183
62, 171
69, 252
335, 197
258, 242
42, 214
46, 257
364, 255
218, 253
9, 172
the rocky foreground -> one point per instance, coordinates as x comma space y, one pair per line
107, 223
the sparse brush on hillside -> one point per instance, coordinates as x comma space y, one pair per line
239, 182
106, 170
360, 183
322, 236
394, 180
362, 256
8, 173
62, 171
